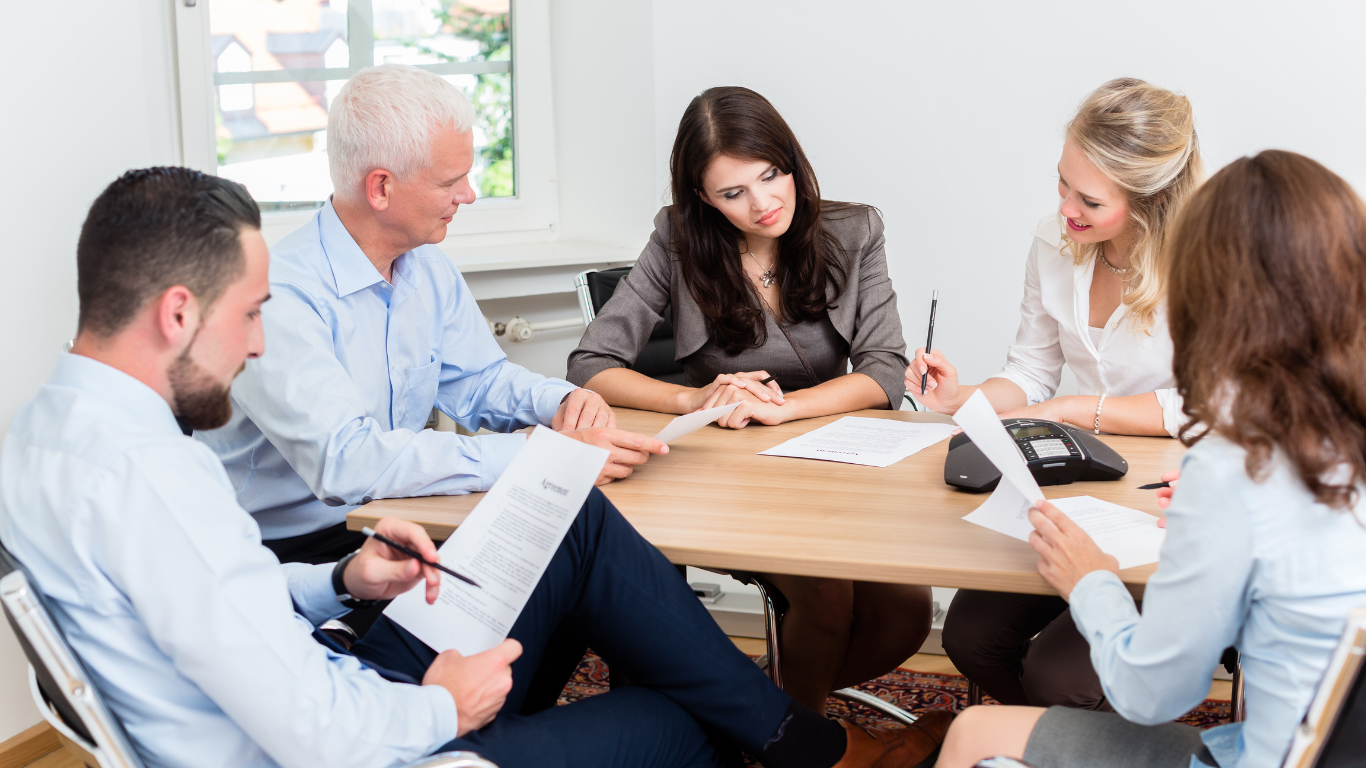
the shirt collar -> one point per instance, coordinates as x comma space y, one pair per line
1050, 231
350, 268
110, 385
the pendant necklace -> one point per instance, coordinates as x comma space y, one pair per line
768, 276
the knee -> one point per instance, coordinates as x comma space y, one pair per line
1051, 679
901, 615
974, 642
962, 743
822, 605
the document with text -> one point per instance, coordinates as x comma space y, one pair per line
861, 440
1131, 536
504, 545
691, 422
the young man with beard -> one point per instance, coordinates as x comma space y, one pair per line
203, 643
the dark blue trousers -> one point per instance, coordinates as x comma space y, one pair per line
694, 699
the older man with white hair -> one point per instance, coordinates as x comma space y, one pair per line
371, 326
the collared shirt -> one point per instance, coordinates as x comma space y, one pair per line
1257, 565
332, 415
1055, 329
198, 638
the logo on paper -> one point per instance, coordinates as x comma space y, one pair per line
549, 486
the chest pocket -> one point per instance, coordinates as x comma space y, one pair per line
420, 396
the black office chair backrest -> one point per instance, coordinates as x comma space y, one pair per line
70, 701
656, 359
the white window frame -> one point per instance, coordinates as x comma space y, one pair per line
532, 214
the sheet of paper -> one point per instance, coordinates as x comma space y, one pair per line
691, 422
1131, 536
505, 545
980, 422
860, 440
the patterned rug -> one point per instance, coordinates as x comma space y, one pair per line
907, 688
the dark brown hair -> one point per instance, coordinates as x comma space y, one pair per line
155, 228
740, 123
1267, 309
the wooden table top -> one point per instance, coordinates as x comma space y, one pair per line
712, 502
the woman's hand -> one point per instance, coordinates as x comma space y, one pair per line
754, 409
1066, 552
942, 393
1164, 495
725, 390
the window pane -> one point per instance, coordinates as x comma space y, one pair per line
259, 35
442, 31
278, 148
491, 95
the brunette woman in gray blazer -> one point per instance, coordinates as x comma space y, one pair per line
766, 279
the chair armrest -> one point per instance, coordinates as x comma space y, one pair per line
451, 760
1002, 761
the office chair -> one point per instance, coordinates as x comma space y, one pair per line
1333, 732
67, 698
656, 360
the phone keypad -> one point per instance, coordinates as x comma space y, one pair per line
1049, 447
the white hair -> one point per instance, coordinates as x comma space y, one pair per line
384, 117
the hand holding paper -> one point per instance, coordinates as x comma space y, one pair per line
1132, 537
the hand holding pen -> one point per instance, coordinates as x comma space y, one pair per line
431, 562
380, 571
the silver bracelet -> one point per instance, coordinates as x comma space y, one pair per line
1099, 406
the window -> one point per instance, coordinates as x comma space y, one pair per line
256, 90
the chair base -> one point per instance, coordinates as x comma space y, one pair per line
873, 702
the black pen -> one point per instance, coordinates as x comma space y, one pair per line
381, 538
934, 304
1154, 486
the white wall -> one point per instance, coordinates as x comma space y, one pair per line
949, 116
91, 98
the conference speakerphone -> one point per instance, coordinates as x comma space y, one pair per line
1055, 454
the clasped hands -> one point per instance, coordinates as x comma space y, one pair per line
479, 684
764, 403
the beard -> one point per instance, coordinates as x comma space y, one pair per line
200, 401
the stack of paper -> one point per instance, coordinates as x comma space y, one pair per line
1132, 537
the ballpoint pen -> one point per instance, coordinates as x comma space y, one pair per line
381, 538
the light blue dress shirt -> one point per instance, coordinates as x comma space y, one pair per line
1259, 565
332, 415
197, 637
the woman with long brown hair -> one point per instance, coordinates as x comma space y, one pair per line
1266, 535
764, 278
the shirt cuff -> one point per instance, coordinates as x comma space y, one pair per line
1172, 417
549, 400
445, 719
496, 452
1099, 600
310, 587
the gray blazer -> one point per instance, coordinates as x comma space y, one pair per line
863, 328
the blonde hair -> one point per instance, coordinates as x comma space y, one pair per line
1143, 139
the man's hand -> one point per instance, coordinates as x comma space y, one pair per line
581, 409
380, 572
479, 683
1066, 552
628, 450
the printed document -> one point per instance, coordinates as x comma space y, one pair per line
860, 440
505, 545
691, 422
1131, 536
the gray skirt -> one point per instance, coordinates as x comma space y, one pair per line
1065, 737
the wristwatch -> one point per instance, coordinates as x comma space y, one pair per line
339, 584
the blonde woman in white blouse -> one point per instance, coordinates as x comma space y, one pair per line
1094, 299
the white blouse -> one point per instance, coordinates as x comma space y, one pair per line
1055, 329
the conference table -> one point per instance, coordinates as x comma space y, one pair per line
713, 502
